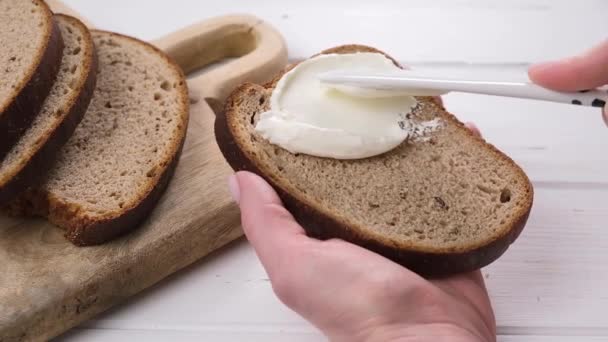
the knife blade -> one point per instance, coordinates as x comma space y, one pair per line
405, 82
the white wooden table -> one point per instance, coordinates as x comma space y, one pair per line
550, 286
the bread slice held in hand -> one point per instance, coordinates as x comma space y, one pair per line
30, 57
118, 162
35, 152
446, 204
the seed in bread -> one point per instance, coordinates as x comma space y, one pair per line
443, 205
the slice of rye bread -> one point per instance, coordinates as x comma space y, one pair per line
33, 155
450, 204
30, 57
118, 162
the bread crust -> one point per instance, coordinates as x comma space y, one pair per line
322, 225
41, 160
30, 94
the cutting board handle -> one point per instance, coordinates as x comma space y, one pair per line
257, 49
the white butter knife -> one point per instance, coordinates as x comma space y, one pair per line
404, 82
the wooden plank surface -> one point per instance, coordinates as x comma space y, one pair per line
548, 287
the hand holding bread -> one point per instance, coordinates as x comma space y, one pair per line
350, 293
348, 280
333, 283
446, 204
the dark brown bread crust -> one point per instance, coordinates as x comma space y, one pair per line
42, 159
319, 225
17, 117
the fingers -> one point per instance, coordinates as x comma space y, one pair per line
581, 72
477, 277
576, 73
471, 126
269, 227
439, 100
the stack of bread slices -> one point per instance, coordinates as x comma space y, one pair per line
91, 123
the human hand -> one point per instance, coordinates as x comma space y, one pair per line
586, 71
350, 293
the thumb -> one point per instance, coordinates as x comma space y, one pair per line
269, 227
576, 73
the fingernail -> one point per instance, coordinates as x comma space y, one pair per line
473, 128
233, 186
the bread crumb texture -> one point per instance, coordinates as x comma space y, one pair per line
129, 134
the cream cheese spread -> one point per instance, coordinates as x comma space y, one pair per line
305, 116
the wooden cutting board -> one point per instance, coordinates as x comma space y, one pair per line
48, 285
